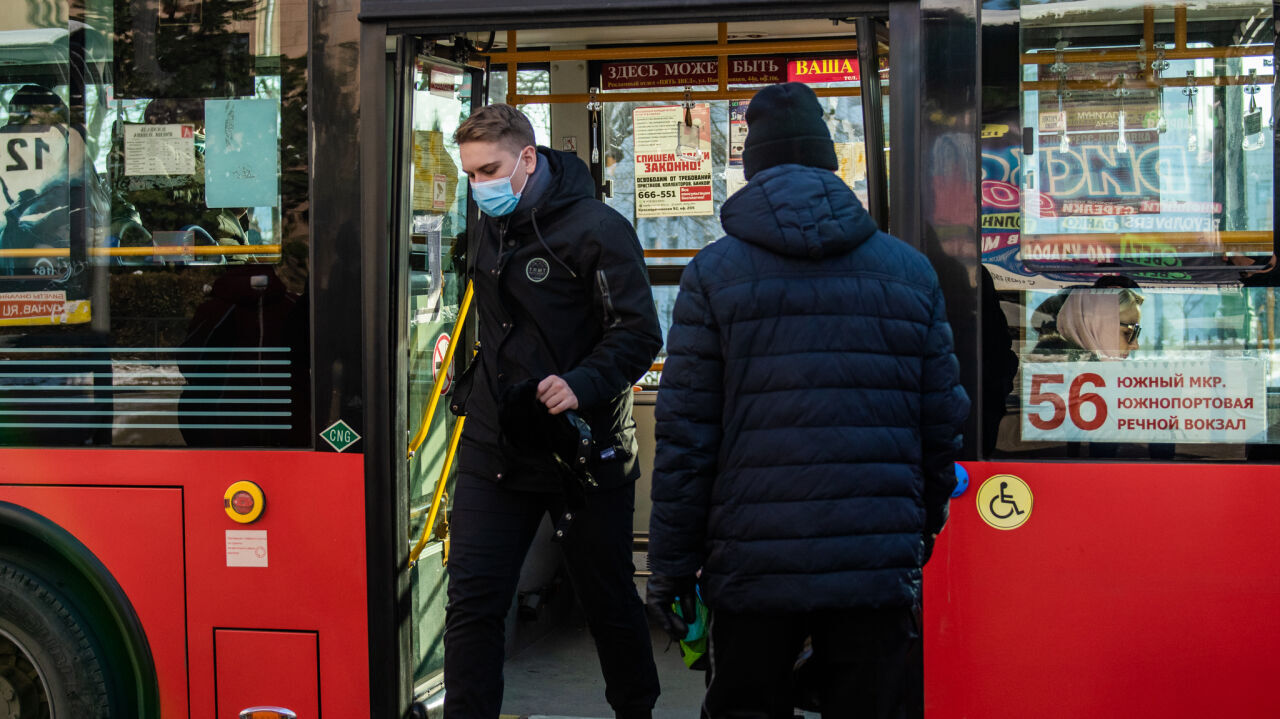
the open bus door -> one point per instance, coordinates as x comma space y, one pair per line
431, 210
422, 71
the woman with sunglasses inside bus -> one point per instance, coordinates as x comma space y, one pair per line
1095, 324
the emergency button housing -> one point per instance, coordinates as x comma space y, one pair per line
243, 502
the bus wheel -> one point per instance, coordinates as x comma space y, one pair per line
48, 663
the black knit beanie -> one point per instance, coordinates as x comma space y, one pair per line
785, 124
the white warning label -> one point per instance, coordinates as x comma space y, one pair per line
246, 547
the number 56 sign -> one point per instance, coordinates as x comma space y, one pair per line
1202, 401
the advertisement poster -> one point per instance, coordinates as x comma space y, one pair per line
1193, 401
852, 160
691, 73
734, 174
827, 69
673, 161
435, 175
47, 307
159, 149
242, 153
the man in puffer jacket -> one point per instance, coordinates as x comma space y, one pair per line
808, 418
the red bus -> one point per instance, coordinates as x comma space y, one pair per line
233, 257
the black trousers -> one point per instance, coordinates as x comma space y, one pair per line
491, 529
864, 663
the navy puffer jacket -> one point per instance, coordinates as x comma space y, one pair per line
810, 408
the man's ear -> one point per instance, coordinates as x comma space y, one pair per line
530, 157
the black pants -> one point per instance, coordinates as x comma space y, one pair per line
863, 656
491, 530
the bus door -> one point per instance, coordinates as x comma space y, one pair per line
430, 237
662, 129
604, 105
672, 82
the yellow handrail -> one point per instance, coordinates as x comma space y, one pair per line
455, 339
439, 494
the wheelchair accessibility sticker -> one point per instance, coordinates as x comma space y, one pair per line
1004, 501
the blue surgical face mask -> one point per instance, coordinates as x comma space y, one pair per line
495, 197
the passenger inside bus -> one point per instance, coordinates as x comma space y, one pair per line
1095, 324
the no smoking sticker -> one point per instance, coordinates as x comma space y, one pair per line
1004, 501
437, 359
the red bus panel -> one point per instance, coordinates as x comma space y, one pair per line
267, 669
155, 519
136, 532
1136, 590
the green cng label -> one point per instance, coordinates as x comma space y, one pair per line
340, 436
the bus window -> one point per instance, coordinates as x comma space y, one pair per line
669, 158
1129, 223
639, 184
529, 81
154, 239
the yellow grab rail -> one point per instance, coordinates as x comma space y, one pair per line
439, 494
421, 435
455, 436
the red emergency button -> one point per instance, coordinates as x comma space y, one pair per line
243, 502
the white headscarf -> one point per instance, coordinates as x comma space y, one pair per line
1090, 319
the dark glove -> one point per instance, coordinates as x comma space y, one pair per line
660, 596
929, 539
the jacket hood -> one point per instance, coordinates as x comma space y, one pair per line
569, 181
798, 211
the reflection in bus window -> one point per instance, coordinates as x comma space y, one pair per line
153, 242
1149, 157
1151, 151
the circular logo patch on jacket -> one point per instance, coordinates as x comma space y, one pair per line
537, 270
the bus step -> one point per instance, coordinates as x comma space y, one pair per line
640, 554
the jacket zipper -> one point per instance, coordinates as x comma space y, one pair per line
606, 300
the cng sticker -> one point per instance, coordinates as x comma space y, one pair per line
437, 359
340, 436
1004, 501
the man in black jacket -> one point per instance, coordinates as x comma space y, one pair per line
566, 325
808, 415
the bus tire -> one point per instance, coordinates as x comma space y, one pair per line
48, 656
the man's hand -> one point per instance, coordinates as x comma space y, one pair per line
662, 593
554, 392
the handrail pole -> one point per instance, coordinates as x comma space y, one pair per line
438, 386
436, 498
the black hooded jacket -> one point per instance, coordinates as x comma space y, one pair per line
560, 288
810, 407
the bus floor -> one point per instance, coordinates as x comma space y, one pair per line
558, 677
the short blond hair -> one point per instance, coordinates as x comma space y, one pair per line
498, 123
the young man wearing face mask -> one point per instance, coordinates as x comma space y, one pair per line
566, 324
